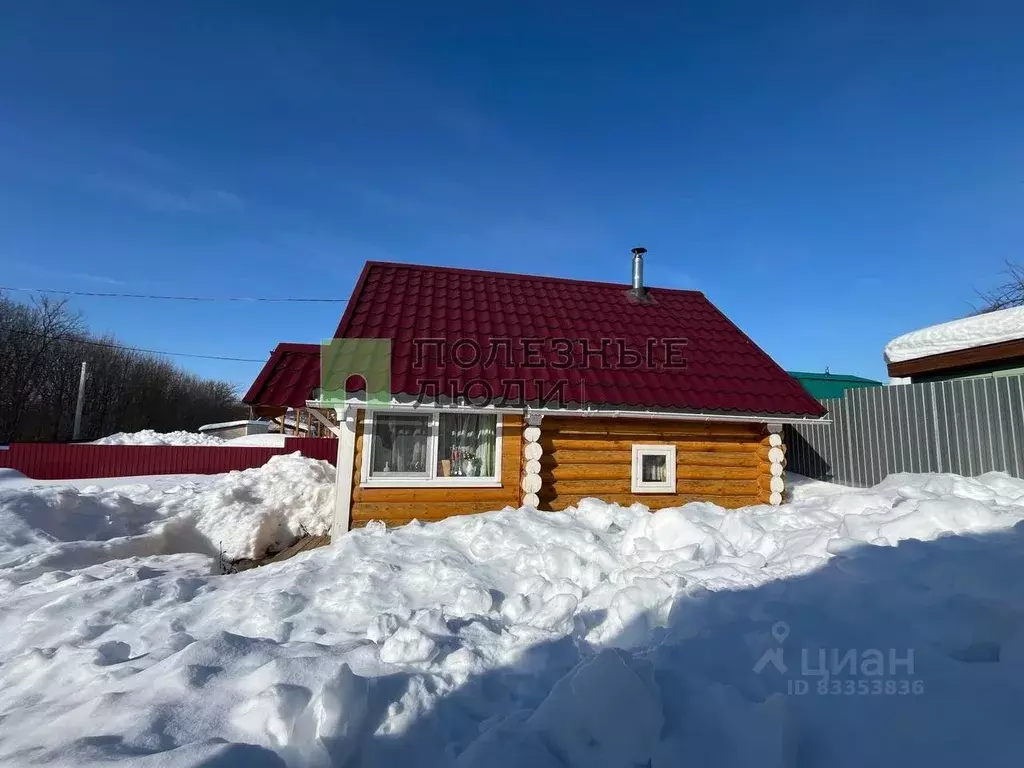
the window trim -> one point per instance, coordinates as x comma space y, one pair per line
432, 480
396, 480
668, 486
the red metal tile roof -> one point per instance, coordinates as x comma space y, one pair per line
725, 372
288, 379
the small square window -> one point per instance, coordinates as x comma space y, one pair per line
654, 469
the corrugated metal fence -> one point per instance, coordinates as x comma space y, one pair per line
968, 427
67, 461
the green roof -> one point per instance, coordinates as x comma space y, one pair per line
825, 385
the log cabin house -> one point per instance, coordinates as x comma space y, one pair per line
511, 390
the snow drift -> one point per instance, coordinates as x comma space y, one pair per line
597, 636
151, 437
239, 515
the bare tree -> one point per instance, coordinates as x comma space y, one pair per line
42, 346
28, 333
1008, 294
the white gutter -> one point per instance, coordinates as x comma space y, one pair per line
683, 416
413, 405
593, 413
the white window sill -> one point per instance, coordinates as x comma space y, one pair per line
664, 491
440, 483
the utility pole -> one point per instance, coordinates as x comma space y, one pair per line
77, 433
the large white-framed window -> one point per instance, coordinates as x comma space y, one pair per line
654, 469
420, 449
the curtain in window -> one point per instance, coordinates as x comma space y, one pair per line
399, 445
466, 445
654, 468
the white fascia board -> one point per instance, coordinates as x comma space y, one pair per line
608, 413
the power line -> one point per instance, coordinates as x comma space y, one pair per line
95, 294
108, 345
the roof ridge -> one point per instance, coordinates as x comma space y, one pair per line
292, 346
523, 276
828, 375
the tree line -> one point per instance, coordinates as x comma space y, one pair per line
42, 347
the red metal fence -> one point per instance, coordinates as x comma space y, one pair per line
313, 447
66, 461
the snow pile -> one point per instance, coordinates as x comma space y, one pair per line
236, 423
149, 437
968, 332
239, 514
598, 636
266, 440
10, 476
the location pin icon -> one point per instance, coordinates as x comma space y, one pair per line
780, 631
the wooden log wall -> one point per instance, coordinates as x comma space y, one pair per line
726, 463
396, 506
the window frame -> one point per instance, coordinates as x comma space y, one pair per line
412, 477
637, 483
432, 480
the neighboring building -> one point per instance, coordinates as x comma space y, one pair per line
822, 386
990, 344
615, 391
227, 430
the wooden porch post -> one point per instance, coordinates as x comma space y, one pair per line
343, 472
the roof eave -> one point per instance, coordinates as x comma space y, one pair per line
957, 359
590, 412
251, 398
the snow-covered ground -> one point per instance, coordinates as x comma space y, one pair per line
11, 478
51, 525
598, 636
965, 333
150, 437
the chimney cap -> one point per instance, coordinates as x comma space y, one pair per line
639, 251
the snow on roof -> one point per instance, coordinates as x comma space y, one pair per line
966, 333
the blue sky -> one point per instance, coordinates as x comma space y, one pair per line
830, 174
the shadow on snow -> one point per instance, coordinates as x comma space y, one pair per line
689, 694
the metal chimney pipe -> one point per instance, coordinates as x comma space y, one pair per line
638, 272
